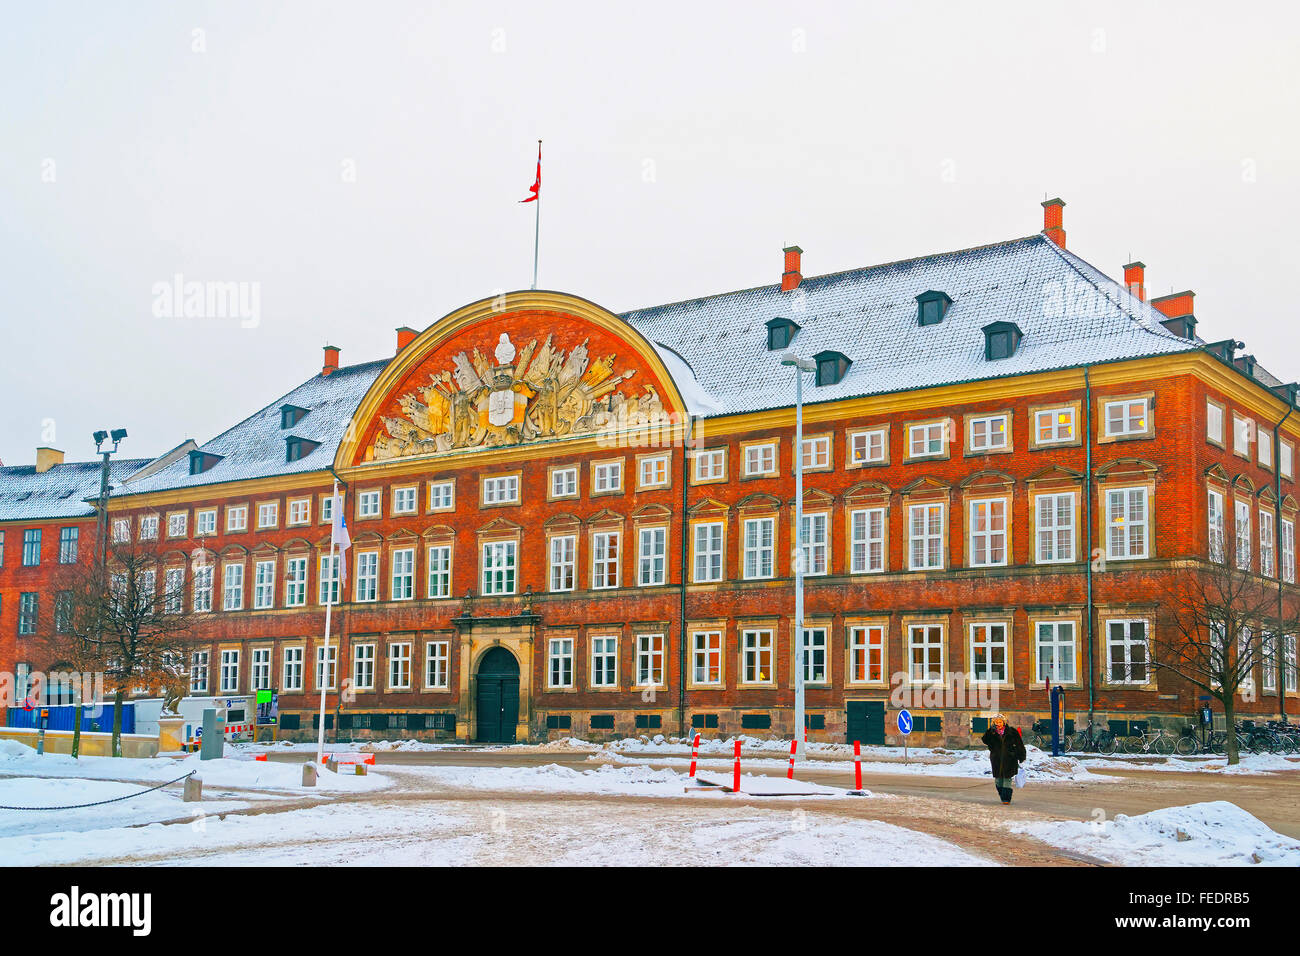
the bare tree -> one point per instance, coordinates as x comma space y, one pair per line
126, 619
1225, 625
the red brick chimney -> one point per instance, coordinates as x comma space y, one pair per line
1176, 304
331, 360
791, 278
405, 336
1052, 219
1135, 279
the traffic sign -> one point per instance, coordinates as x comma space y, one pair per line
904, 722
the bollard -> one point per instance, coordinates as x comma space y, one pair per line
332, 765
789, 774
735, 777
857, 765
309, 774
695, 753
193, 789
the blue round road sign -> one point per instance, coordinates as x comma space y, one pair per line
904, 723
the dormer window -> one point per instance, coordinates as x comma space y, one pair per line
831, 367
291, 415
780, 333
1001, 339
931, 307
201, 461
296, 448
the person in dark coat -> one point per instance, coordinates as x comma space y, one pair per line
1006, 753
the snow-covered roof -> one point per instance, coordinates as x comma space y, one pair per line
1070, 315
58, 492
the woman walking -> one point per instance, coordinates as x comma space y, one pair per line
1006, 753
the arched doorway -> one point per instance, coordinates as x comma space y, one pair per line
497, 704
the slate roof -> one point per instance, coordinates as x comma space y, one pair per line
59, 492
870, 315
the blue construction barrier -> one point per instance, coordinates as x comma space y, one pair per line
95, 717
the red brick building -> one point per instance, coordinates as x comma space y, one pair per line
566, 521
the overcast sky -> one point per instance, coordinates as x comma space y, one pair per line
360, 165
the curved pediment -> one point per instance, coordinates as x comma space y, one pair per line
868, 490
758, 501
507, 371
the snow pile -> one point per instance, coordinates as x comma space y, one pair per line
552, 778
562, 746
1216, 833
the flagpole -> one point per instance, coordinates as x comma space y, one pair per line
537, 219
325, 659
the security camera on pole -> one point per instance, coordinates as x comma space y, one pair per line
801, 365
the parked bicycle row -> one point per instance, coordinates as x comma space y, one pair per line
1274, 737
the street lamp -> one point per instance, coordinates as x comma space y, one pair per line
101, 436
801, 365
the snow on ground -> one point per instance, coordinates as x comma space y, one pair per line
1221, 834
552, 778
1250, 764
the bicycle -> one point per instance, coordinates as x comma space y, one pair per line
1151, 741
1094, 740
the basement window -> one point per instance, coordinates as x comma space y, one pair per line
780, 333
1001, 339
931, 307
831, 367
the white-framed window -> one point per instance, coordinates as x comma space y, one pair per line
868, 447
654, 471
1286, 460
710, 464
176, 524
329, 575
559, 662
1267, 544
926, 440
760, 547
500, 565
232, 587
1126, 652
1218, 542
291, 669
260, 671
564, 483
1125, 417
121, 531
1127, 524
1054, 426
606, 477
816, 452
399, 666
402, 577
925, 653
564, 562
815, 669
1242, 430
199, 672
1269, 663
1054, 527
649, 660
268, 514
295, 582
1214, 421
816, 543
1241, 526
327, 667
174, 584
299, 511
367, 584
439, 577
442, 495
1288, 551
708, 551
652, 556
202, 600
1054, 652
756, 651
264, 584
866, 540
437, 664
326, 509
406, 500
1264, 448
205, 522
760, 459
989, 653
604, 559
148, 527
706, 658
925, 536
988, 532
988, 433
236, 518
604, 661
1290, 672
501, 490
867, 654
229, 671
370, 503
363, 666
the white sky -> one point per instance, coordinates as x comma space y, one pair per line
684, 145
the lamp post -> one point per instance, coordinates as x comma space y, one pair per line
101, 535
800, 365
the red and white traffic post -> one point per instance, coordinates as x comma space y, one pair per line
735, 776
695, 753
789, 774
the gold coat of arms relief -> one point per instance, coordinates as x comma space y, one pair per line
514, 397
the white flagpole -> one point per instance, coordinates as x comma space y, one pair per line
537, 221
325, 659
